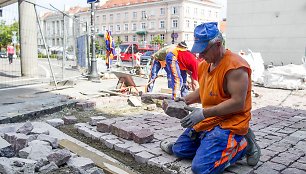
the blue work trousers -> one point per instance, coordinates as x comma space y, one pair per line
156, 66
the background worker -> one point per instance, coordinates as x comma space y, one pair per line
110, 49
159, 61
217, 134
10, 52
181, 62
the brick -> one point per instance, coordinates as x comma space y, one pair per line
293, 170
143, 157
143, 136
105, 125
175, 109
56, 122
151, 107
94, 120
70, 120
149, 97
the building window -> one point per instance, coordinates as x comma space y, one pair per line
126, 15
209, 13
104, 18
134, 27
174, 23
174, 10
195, 11
103, 28
118, 15
111, 28
187, 23
151, 37
118, 28
97, 18
134, 15
162, 24
126, 27
126, 38
143, 15
162, 11
188, 10
143, 25
111, 17
202, 12
134, 38
162, 36
195, 23
152, 25
97, 30
187, 37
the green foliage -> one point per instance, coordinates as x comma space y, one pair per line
157, 40
118, 41
6, 33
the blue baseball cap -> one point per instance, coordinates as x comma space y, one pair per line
203, 33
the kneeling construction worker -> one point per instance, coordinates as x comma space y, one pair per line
218, 133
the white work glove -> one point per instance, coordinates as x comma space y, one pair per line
193, 118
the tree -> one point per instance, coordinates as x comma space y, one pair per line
6, 32
118, 41
157, 40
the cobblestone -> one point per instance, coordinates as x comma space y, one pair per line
293, 171
143, 156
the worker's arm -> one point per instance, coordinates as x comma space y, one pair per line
193, 97
237, 86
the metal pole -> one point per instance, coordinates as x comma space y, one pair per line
93, 73
48, 55
87, 47
64, 47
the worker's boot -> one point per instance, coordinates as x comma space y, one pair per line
253, 150
166, 146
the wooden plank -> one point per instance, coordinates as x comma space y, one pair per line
108, 166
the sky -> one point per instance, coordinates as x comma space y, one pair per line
10, 12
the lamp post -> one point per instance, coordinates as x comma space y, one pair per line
93, 69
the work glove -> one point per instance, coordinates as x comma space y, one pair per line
193, 118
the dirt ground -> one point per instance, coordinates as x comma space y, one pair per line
108, 112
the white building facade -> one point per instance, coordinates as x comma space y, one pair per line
137, 21
275, 28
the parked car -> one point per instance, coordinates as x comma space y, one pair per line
146, 57
3, 54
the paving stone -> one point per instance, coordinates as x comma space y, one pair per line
123, 130
143, 157
149, 97
301, 145
302, 160
26, 128
245, 169
293, 171
94, 120
59, 156
105, 125
135, 101
110, 143
265, 169
278, 147
40, 131
70, 120
175, 109
135, 149
87, 105
94, 170
275, 166
18, 141
56, 122
107, 137
151, 107
298, 165
48, 168
39, 151
24, 153
143, 136
285, 158
299, 134
27, 165
156, 151
6, 149
81, 163
123, 147
162, 160
53, 141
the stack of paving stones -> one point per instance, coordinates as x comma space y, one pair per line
27, 150
280, 132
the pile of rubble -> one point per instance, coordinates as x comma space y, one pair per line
28, 149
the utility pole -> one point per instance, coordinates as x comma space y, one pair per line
93, 69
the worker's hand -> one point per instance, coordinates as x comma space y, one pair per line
193, 118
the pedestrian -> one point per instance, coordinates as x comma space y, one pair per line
158, 62
182, 62
218, 133
10, 53
110, 49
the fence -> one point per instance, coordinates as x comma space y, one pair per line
55, 57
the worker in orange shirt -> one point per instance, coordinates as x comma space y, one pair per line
182, 62
218, 133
